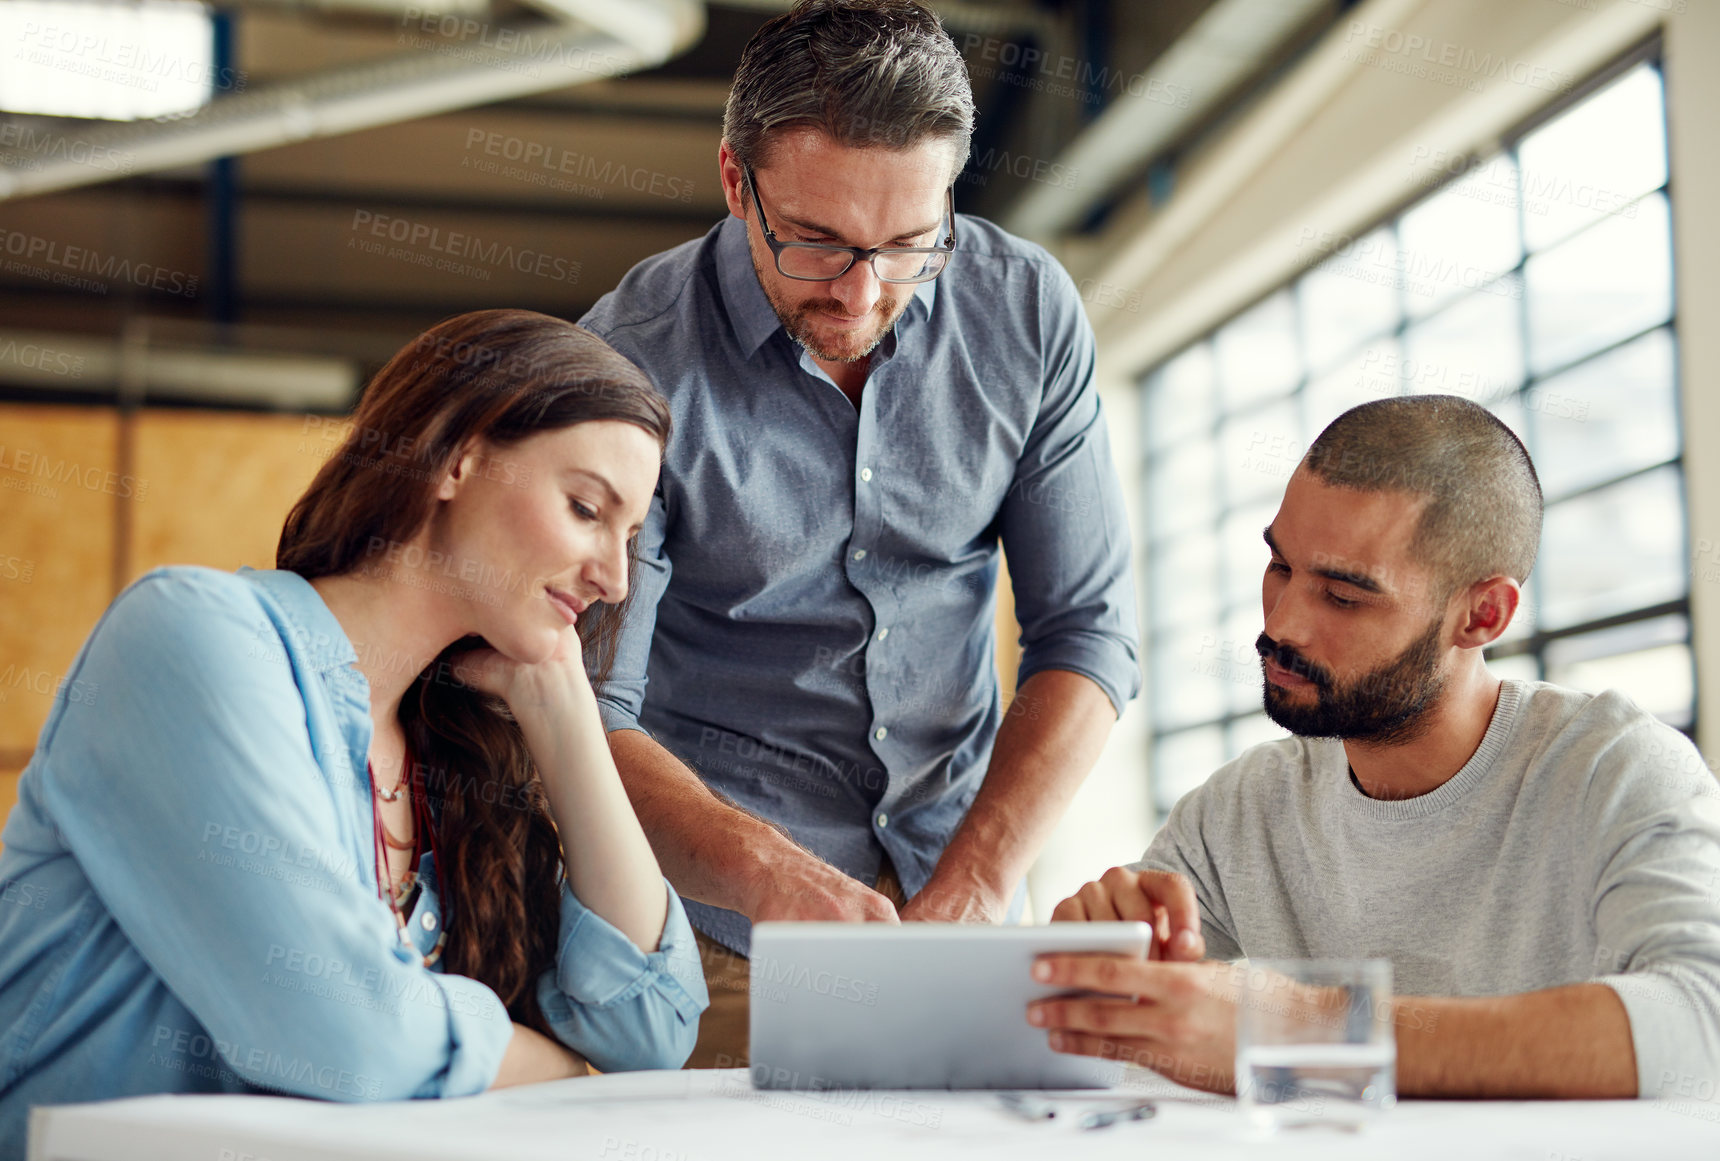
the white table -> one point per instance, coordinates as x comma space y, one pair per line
716, 1115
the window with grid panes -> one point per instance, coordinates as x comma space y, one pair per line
1538, 283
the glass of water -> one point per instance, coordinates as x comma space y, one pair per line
1315, 1042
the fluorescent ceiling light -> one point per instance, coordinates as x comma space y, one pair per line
120, 61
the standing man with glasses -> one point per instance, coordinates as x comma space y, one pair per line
805, 707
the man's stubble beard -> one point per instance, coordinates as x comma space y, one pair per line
797, 321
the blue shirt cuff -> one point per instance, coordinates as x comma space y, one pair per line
479, 1031
600, 967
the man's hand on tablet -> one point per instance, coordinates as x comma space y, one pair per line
800, 886
1161, 898
1178, 1019
949, 905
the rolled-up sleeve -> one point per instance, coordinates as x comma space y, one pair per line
188, 790
1657, 923
1063, 525
621, 697
623, 1008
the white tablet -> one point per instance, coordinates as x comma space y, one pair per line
922, 1005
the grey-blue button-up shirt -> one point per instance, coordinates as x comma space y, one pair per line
812, 630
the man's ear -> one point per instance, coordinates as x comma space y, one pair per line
1488, 606
729, 173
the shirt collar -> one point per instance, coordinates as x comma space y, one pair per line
750, 312
317, 633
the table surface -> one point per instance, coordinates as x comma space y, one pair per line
712, 1115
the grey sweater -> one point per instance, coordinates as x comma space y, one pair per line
1580, 842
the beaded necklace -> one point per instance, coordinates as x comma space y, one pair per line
424, 831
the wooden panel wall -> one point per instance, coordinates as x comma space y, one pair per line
1008, 633
8, 796
90, 501
61, 495
220, 484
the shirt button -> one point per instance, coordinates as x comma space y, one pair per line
883, 820
880, 733
884, 632
859, 554
866, 475
429, 921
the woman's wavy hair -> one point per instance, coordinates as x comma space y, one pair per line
502, 376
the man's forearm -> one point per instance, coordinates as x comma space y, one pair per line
708, 848
1050, 738
1567, 1042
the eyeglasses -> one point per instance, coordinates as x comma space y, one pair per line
816, 262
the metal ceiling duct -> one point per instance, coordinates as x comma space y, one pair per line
137, 364
992, 19
1224, 47
586, 40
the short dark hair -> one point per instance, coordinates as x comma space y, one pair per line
880, 73
1483, 513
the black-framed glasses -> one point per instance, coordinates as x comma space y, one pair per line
817, 262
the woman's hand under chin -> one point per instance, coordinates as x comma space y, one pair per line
558, 680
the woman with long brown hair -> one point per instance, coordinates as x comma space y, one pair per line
350, 828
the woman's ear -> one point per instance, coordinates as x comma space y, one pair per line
460, 469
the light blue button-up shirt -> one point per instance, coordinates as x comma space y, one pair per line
189, 885
813, 629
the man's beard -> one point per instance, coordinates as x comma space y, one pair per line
798, 320
1387, 707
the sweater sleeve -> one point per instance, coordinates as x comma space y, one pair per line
1657, 904
1181, 846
